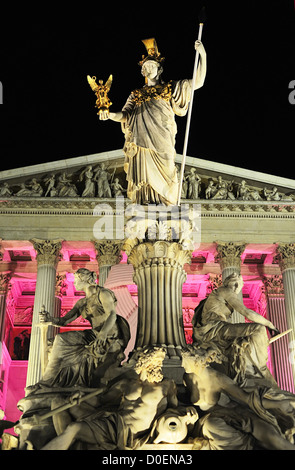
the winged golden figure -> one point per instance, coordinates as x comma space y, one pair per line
101, 90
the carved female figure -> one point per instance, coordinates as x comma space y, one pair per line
193, 184
148, 122
89, 190
102, 177
242, 345
82, 357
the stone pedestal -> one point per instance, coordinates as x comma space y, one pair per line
286, 259
47, 259
229, 258
158, 260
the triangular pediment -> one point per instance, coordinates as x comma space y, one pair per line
235, 181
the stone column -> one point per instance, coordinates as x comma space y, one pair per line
159, 275
60, 287
159, 242
279, 349
5, 286
48, 252
286, 259
229, 258
108, 254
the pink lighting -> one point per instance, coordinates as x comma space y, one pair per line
203, 275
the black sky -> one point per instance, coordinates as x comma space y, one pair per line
242, 115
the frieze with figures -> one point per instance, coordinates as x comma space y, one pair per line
101, 182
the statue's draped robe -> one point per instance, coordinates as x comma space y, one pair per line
77, 357
150, 131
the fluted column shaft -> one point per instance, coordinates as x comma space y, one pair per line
159, 275
286, 259
279, 349
4, 288
229, 258
47, 259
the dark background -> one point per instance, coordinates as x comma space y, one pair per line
242, 115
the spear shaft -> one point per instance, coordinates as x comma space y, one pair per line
189, 116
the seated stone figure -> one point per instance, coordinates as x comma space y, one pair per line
238, 371
82, 357
145, 395
243, 346
235, 419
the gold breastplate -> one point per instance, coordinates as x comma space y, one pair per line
162, 91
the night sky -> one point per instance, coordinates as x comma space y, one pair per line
242, 116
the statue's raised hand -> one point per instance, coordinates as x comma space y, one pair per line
104, 115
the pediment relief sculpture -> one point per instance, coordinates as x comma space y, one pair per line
102, 182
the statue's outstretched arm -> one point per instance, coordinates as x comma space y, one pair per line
238, 305
68, 318
117, 117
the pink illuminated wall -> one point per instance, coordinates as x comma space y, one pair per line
16, 388
20, 307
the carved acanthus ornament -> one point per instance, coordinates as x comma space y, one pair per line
60, 285
108, 252
214, 281
159, 252
286, 256
48, 251
274, 285
229, 254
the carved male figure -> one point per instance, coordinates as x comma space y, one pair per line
144, 394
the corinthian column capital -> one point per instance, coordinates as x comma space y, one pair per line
286, 256
108, 252
147, 252
229, 254
48, 251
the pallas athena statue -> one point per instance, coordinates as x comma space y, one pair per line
148, 122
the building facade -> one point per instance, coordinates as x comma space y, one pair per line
64, 215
